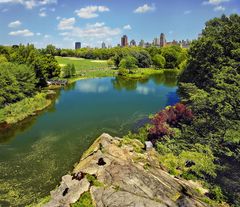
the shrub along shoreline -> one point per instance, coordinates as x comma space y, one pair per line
19, 111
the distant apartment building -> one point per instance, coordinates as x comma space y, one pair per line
162, 40
185, 43
156, 42
141, 43
77, 45
133, 43
147, 44
104, 45
124, 41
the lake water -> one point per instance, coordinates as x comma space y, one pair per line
36, 153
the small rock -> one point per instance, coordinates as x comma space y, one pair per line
148, 145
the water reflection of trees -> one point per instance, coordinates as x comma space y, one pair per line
168, 78
120, 83
8, 133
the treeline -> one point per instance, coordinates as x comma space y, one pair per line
168, 57
23, 71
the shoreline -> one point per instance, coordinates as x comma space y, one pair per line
5, 125
138, 76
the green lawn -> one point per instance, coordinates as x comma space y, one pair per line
86, 68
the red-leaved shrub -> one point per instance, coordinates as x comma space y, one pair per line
167, 118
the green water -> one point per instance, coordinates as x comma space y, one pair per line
37, 152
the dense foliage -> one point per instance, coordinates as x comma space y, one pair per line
211, 86
17, 82
201, 137
23, 71
44, 65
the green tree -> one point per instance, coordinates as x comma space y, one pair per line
17, 82
128, 63
171, 56
68, 71
46, 67
51, 49
159, 61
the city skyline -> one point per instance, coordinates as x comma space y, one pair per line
63, 23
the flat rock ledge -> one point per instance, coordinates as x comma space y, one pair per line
127, 177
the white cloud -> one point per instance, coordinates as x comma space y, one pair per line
187, 12
91, 11
29, 4
38, 34
58, 18
66, 24
14, 24
145, 8
127, 27
145, 90
97, 30
219, 8
24, 33
214, 2
95, 87
47, 36
42, 14
97, 24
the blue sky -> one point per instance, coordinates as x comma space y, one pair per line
62, 22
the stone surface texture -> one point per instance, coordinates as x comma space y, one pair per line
129, 178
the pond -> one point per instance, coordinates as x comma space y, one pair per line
36, 153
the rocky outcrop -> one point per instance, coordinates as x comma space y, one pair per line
126, 176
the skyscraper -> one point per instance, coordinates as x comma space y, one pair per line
141, 43
77, 45
156, 42
162, 40
103, 45
124, 41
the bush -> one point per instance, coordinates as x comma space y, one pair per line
190, 164
172, 116
122, 71
18, 111
110, 63
84, 201
3, 59
68, 71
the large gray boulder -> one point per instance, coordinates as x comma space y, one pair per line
129, 179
